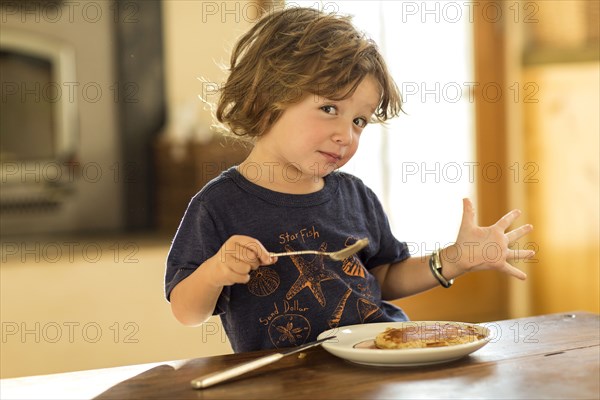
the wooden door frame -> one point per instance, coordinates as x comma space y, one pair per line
491, 125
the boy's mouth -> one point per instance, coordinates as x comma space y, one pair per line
331, 157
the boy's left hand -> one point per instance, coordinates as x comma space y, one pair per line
480, 248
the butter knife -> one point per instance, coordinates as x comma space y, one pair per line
226, 374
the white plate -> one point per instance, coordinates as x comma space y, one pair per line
349, 336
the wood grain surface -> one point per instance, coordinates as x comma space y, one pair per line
553, 356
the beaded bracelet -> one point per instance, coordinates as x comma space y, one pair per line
436, 269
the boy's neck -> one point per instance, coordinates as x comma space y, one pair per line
271, 174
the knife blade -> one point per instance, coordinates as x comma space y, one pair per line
226, 374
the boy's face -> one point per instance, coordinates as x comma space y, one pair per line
316, 136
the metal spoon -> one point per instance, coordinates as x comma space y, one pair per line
334, 255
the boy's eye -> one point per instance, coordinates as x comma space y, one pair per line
360, 122
329, 109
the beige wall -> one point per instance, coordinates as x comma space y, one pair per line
198, 38
71, 304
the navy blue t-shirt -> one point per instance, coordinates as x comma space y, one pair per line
292, 301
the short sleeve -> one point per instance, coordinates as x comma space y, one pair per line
386, 249
196, 240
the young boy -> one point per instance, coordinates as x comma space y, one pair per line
303, 86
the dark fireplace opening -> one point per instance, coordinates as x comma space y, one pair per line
28, 122
71, 163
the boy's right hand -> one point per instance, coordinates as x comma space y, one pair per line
238, 256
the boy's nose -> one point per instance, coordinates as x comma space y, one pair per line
343, 134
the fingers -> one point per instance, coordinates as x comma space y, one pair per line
263, 254
508, 219
517, 273
520, 254
468, 217
239, 256
245, 249
492, 237
237, 274
518, 233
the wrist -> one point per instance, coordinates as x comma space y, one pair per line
213, 270
451, 260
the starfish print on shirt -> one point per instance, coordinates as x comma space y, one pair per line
311, 275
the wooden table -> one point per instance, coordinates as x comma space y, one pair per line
553, 356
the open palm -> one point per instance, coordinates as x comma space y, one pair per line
480, 248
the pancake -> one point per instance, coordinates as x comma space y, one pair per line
422, 335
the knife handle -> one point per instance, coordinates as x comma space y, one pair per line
220, 376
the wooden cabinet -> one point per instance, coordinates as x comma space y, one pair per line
182, 169
562, 131
553, 136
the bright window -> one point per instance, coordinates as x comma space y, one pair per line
421, 164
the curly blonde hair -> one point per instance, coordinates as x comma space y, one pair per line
294, 52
